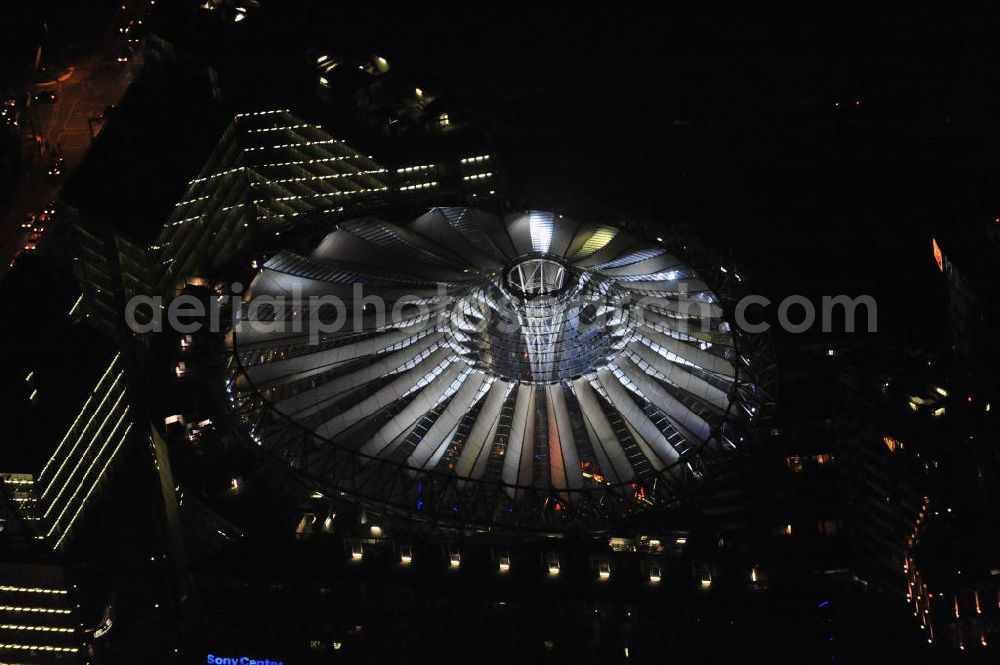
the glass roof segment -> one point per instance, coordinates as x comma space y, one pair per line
541, 224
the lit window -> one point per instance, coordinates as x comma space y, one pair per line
305, 524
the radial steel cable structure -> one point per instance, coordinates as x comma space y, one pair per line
521, 369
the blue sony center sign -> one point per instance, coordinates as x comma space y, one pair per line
241, 660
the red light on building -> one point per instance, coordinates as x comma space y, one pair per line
938, 256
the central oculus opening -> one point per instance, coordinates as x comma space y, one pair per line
540, 320
537, 276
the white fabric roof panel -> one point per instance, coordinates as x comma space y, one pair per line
552, 390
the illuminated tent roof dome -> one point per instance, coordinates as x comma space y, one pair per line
525, 369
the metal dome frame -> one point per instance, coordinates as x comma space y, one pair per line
443, 497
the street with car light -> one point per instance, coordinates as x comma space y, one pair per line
58, 116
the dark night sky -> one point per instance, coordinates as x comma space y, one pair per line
731, 123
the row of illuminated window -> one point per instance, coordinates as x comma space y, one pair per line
91, 476
553, 564
254, 114
71, 461
416, 169
297, 197
38, 647
35, 610
293, 162
76, 421
285, 127
328, 176
291, 145
41, 590
827, 527
419, 185
94, 484
40, 629
799, 463
83, 449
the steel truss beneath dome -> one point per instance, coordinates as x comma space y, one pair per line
541, 373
